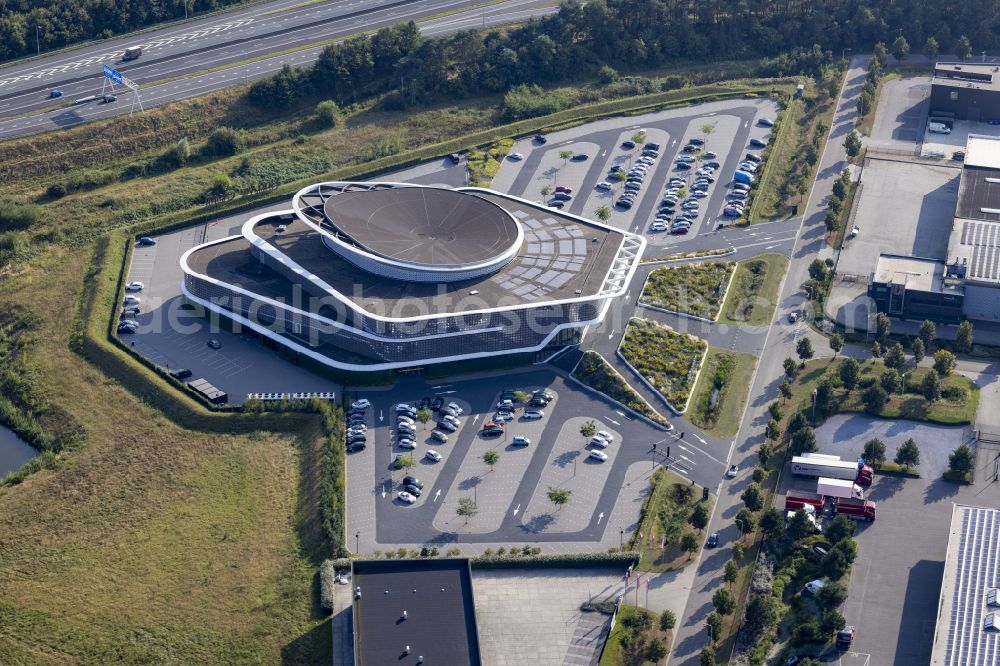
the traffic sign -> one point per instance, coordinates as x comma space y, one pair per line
113, 75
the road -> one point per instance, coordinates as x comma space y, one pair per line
779, 343
197, 57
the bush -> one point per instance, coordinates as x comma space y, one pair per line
619, 560
223, 142
529, 101
327, 112
667, 620
56, 191
15, 216
607, 74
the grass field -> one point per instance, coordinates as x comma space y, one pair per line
668, 360
723, 418
151, 543
694, 289
661, 507
754, 291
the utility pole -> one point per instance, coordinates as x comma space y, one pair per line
38, 40
185, 9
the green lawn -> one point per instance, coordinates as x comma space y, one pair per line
598, 374
754, 291
734, 371
667, 359
694, 289
661, 507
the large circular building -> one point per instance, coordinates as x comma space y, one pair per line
372, 276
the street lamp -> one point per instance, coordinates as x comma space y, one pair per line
843, 53
740, 523
621, 537
357, 542
814, 394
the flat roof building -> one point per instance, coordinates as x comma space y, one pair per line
965, 91
381, 276
915, 288
411, 612
968, 621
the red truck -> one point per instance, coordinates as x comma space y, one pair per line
802, 499
817, 465
857, 509
852, 508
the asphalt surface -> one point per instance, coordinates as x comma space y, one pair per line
238, 47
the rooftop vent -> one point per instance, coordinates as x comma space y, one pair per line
991, 622
993, 597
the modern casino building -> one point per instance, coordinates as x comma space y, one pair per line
377, 276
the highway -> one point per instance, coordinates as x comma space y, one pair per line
204, 55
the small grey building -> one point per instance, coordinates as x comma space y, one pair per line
966, 91
916, 288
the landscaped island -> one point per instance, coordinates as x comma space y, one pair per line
692, 289
668, 360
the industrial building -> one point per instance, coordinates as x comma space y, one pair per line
968, 619
965, 91
382, 276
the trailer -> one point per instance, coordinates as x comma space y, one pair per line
804, 500
856, 509
839, 488
815, 465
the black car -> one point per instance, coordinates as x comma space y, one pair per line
491, 432
124, 329
690, 148
409, 413
696, 142
357, 437
683, 166
180, 373
455, 158
757, 143
651, 146
628, 145
436, 403
540, 138
413, 490
580, 157
355, 446
538, 402
412, 481
623, 203
147, 241
713, 540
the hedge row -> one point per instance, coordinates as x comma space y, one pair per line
557, 561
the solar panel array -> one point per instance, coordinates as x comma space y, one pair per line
977, 571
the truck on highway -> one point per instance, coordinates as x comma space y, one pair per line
817, 465
132, 52
839, 488
856, 508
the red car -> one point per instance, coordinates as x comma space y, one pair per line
564, 188
845, 637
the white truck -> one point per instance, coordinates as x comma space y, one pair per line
817, 465
839, 488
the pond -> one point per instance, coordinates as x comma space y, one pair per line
14, 451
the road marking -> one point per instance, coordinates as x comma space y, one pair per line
622, 414
437, 494
699, 439
381, 416
615, 422
476, 418
600, 516
770, 246
516, 509
611, 334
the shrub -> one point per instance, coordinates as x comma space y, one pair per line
327, 112
607, 74
15, 215
223, 142
529, 100
56, 191
555, 560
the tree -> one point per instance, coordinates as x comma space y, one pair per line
772, 523
714, 624
848, 372
839, 559
763, 612
832, 595
804, 349
667, 620
883, 326
424, 415
656, 650
603, 213
880, 53
874, 452
931, 48
928, 333
803, 441
908, 455
790, 366
890, 381
639, 137
832, 620
852, 144
961, 460
406, 462
588, 429
772, 432
738, 551
800, 526
944, 362
918, 351
731, 572
838, 529
607, 74
900, 49
753, 497
963, 48
491, 457
963, 337
931, 386
759, 474
876, 349
690, 543
521, 397
546, 190
746, 522
724, 602
874, 399
327, 112
836, 343
558, 496
818, 270
894, 357
798, 421
707, 657
785, 389
466, 508
699, 517
765, 451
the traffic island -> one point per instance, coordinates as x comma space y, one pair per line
668, 361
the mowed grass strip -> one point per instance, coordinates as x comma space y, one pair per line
721, 391
151, 543
668, 360
694, 289
754, 291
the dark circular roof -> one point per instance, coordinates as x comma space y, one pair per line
423, 225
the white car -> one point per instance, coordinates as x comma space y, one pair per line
405, 419
657, 226
709, 155
454, 405
433, 455
605, 435
598, 455
134, 286
358, 427
701, 194
599, 441
132, 300
406, 497
451, 419
364, 403
732, 471
517, 157
604, 185
533, 415
407, 443
403, 407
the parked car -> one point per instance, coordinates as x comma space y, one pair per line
520, 441
412, 481
732, 471
628, 144
845, 637
214, 344
604, 185
447, 426
658, 226
451, 419
180, 373
556, 203
406, 443
126, 329
507, 405
580, 157
598, 455
516, 157
753, 157
130, 311
147, 241
758, 143
439, 436
432, 454
533, 415
540, 138
503, 416
406, 497
562, 196
813, 586
709, 155
413, 490
355, 446
683, 166
405, 420
134, 286
455, 158
765, 122
363, 403
599, 442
